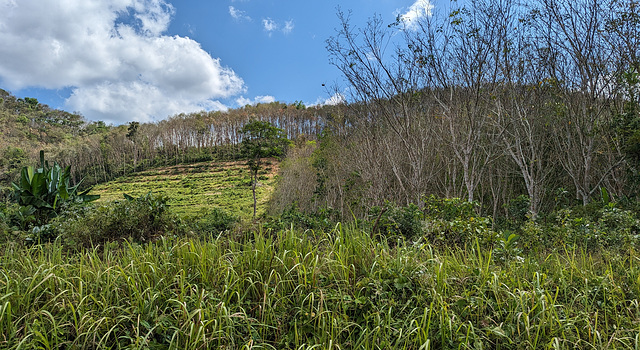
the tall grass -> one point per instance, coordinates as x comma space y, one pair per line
314, 290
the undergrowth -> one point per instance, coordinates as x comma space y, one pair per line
339, 288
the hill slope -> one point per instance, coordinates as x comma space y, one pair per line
194, 188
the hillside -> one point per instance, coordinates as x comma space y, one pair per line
196, 188
29, 126
99, 153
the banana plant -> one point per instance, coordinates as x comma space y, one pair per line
47, 187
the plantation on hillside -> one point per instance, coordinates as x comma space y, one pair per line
195, 188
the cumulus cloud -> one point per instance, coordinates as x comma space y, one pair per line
114, 57
243, 101
238, 15
335, 99
420, 9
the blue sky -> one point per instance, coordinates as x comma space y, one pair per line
144, 60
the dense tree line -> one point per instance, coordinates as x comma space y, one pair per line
182, 138
490, 100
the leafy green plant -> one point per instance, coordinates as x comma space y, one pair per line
449, 208
389, 219
212, 221
453, 221
47, 189
292, 216
5, 229
141, 219
507, 248
518, 210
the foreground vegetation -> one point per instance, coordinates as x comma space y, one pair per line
337, 289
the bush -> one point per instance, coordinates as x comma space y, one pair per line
591, 227
213, 221
605, 227
449, 208
461, 231
17, 217
137, 219
293, 216
518, 210
453, 221
392, 220
5, 229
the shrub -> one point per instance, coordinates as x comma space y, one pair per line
293, 216
518, 210
607, 226
137, 219
5, 229
392, 220
213, 221
449, 208
453, 221
461, 231
591, 227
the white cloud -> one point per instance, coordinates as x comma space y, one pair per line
154, 15
336, 99
243, 101
120, 102
238, 14
420, 9
288, 27
269, 25
113, 56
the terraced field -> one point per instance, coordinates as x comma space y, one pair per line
195, 188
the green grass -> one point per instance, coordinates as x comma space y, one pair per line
196, 187
314, 290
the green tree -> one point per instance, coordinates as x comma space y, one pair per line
260, 140
132, 135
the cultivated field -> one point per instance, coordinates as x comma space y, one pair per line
198, 187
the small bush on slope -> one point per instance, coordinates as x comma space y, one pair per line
137, 219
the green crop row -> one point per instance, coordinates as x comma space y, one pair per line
192, 189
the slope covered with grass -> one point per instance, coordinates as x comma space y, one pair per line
198, 187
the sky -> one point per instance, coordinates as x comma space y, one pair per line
145, 60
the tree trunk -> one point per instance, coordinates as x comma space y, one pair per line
254, 181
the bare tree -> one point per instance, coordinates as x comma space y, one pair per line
387, 87
584, 68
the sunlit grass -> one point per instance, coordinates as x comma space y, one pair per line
323, 290
196, 187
